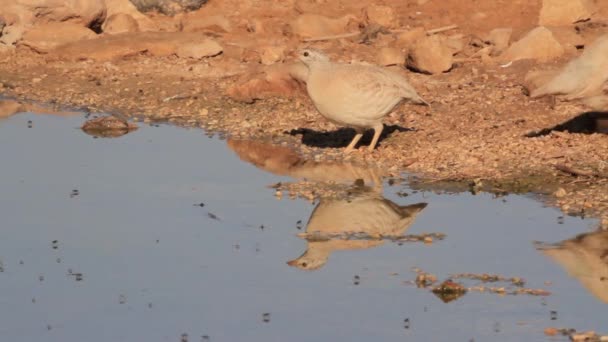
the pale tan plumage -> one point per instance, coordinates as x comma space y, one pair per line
364, 212
584, 257
355, 95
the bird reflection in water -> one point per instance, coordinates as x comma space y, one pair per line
357, 218
584, 257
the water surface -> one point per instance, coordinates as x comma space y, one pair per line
106, 240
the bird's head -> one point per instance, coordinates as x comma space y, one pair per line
311, 56
307, 262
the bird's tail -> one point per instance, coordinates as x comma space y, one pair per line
412, 209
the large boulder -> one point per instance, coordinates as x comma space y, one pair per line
538, 44
20, 15
565, 12
43, 38
83, 12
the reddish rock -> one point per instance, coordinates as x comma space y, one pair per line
111, 47
120, 23
81, 12
280, 80
565, 12
315, 25
46, 37
198, 50
390, 56
8, 108
126, 7
381, 15
500, 39
430, 55
538, 44
272, 54
199, 21
407, 39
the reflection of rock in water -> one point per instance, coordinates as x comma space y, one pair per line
584, 257
284, 161
360, 210
11, 107
108, 127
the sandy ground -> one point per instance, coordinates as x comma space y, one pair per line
482, 131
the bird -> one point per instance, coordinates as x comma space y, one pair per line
354, 95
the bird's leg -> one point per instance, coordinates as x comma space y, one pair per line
354, 142
377, 131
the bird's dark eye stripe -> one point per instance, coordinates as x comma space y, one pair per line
306, 54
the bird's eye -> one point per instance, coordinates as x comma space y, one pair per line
304, 264
306, 54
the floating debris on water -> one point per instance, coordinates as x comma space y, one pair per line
451, 289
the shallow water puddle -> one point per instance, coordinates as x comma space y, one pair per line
164, 234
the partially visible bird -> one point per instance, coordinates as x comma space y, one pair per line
355, 95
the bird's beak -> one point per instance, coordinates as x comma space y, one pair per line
292, 263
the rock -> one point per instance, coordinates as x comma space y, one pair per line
381, 15
2, 24
455, 43
12, 34
120, 23
168, 7
206, 48
87, 13
272, 54
43, 38
112, 47
407, 39
430, 55
585, 76
315, 25
277, 80
565, 12
538, 44
499, 38
108, 127
200, 21
559, 193
8, 108
390, 56
126, 7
